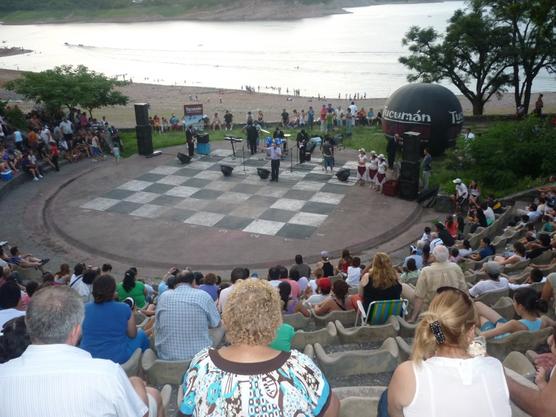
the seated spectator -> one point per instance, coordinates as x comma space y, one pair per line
426, 237
183, 318
535, 276
539, 246
10, 302
14, 339
455, 256
63, 275
444, 235
283, 339
131, 287
451, 225
441, 375
440, 273
303, 269
410, 273
528, 305
493, 282
234, 375
485, 249
209, 285
327, 268
517, 256
466, 250
77, 283
290, 305
324, 285
25, 260
109, 328
339, 301
379, 281
236, 274
474, 194
72, 383
416, 254
354, 272
344, 262
32, 286
547, 225
549, 288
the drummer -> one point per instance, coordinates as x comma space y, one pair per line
280, 139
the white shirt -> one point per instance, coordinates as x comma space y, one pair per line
382, 167
435, 242
7, 314
488, 285
459, 388
518, 286
462, 190
489, 215
66, 127
64, 381
76, 282
354, 274
316, 299
224, 294
373, 163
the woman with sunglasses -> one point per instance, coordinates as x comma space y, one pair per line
527, 304
442, 378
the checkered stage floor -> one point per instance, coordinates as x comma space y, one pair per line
198, 194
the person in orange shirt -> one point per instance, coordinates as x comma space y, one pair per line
33, 139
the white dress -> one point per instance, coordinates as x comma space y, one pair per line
474, 387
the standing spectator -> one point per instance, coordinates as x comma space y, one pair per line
71, 382
285, 119
183, 319
228, 120
539, 105
322, 118
328, 154
427, 169
310, 117
54, 155
461, 195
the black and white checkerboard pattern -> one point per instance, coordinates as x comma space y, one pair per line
198, 194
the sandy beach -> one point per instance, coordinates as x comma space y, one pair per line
165, 100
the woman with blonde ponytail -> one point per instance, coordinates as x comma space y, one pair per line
442, 378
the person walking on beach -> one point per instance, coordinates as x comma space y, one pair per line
275, 155
427, 161
539, 105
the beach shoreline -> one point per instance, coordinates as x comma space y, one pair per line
165, 100
243, 10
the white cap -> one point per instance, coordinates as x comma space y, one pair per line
457, 181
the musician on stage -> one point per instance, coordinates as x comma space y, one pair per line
190, 135
275, 155
302, 139
252, 136
279, 137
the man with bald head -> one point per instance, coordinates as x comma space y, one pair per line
54, 378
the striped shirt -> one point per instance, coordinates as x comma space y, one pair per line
183, 318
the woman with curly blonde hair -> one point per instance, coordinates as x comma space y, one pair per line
248, 377
379, 281
443, 378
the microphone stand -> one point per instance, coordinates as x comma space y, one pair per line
243, 159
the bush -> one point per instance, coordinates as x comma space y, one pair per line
514, 152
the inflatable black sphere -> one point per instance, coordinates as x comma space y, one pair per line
430, 109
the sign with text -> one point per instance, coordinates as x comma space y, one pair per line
193, 115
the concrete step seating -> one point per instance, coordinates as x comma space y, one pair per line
490, 298
521, 341
160, 372
384, 359
519, 363
326, 336
297, 320
505, 307
131, 367
359, 401
368, 333
347, 318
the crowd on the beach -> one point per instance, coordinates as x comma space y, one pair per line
234, 330
44, 142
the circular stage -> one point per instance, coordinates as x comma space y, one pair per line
158, 213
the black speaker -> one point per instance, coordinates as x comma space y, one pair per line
411, 150
263, 173
226, 170
409, 171
144, 140
183, 158
409, 189
343, 174
203, 138
141, 114
426, 194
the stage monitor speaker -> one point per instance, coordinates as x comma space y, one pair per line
263, 173
141, 114
144, 140
183, 158
409, 190
226, 170
410, 171
411, 150
343, 174
425, 195
203, 138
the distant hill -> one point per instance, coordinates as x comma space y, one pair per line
37, 11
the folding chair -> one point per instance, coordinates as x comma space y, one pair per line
382, 310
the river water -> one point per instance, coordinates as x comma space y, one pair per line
339, 54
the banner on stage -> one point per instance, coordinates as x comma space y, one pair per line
193, 115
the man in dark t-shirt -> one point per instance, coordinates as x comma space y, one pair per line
228, 117
285, 118
252, 136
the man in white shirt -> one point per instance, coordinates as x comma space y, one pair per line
237, 274
494, 282
275, 156
10, 303
54, 378
489, 213
76, 282
461, 194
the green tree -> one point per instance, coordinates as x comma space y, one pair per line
532, 25
472, 55
69, 87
